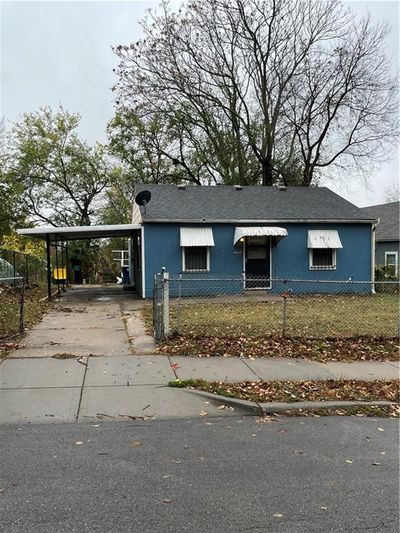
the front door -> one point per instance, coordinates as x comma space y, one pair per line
257, 262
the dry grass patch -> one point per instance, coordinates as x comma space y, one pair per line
298, 391
311, 315
34, 309
319, 327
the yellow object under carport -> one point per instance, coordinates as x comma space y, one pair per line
60, 274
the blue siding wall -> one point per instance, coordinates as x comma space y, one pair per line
290, 258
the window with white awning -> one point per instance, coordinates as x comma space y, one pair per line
195, 244
322, 245
324, 238
197, 237
259, 231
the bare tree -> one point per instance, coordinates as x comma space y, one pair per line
263, 90
392, 193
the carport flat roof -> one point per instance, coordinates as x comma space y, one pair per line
80, 232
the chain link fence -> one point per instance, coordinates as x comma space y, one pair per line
12, 307
231, 307
22, 282
21, 265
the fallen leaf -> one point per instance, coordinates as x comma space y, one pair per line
324, 508
167, 500
225, 407
96, 425
203, 413
349, 461
278, 515
381, 429
79, 442
165, 477
136, 443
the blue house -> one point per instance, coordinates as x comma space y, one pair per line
387, 239
259, 235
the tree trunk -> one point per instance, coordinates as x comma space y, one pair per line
266, 173
307, 176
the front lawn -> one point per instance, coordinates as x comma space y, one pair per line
320, 327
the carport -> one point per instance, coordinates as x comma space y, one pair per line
64, 234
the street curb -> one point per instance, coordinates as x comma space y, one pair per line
279, 407
245, 405
276, 407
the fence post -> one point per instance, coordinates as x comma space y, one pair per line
157, 308
178, 321
154, 303
27, 269
285, 295
22, 308
165, 298
14, 268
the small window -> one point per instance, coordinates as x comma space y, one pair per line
196, 258
392, 262
322, 259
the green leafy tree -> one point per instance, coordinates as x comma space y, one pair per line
63, 180
11, 211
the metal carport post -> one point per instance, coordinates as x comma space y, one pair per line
48, 266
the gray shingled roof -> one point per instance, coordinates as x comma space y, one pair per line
389, 214
225, 203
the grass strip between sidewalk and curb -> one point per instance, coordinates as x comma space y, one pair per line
340, 397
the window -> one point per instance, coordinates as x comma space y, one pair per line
392, 262
196, 258
322, 259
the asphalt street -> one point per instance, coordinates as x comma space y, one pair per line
219, 474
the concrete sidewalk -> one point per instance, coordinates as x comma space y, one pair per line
105, 372
46, 389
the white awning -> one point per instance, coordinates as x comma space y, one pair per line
323, 238
197, 237
259, 231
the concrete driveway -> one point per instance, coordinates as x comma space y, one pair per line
90, 320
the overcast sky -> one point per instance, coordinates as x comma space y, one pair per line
59, 52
